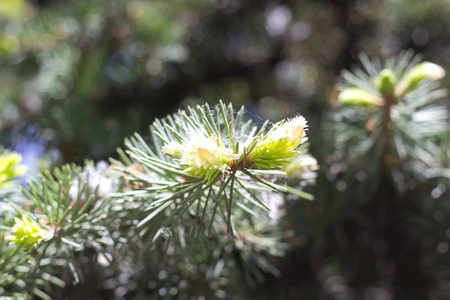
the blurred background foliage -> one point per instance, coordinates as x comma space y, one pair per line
76, 77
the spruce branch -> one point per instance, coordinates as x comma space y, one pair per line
63, 213
394, 105
205, 161
204, 172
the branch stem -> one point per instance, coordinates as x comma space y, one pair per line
386, 132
